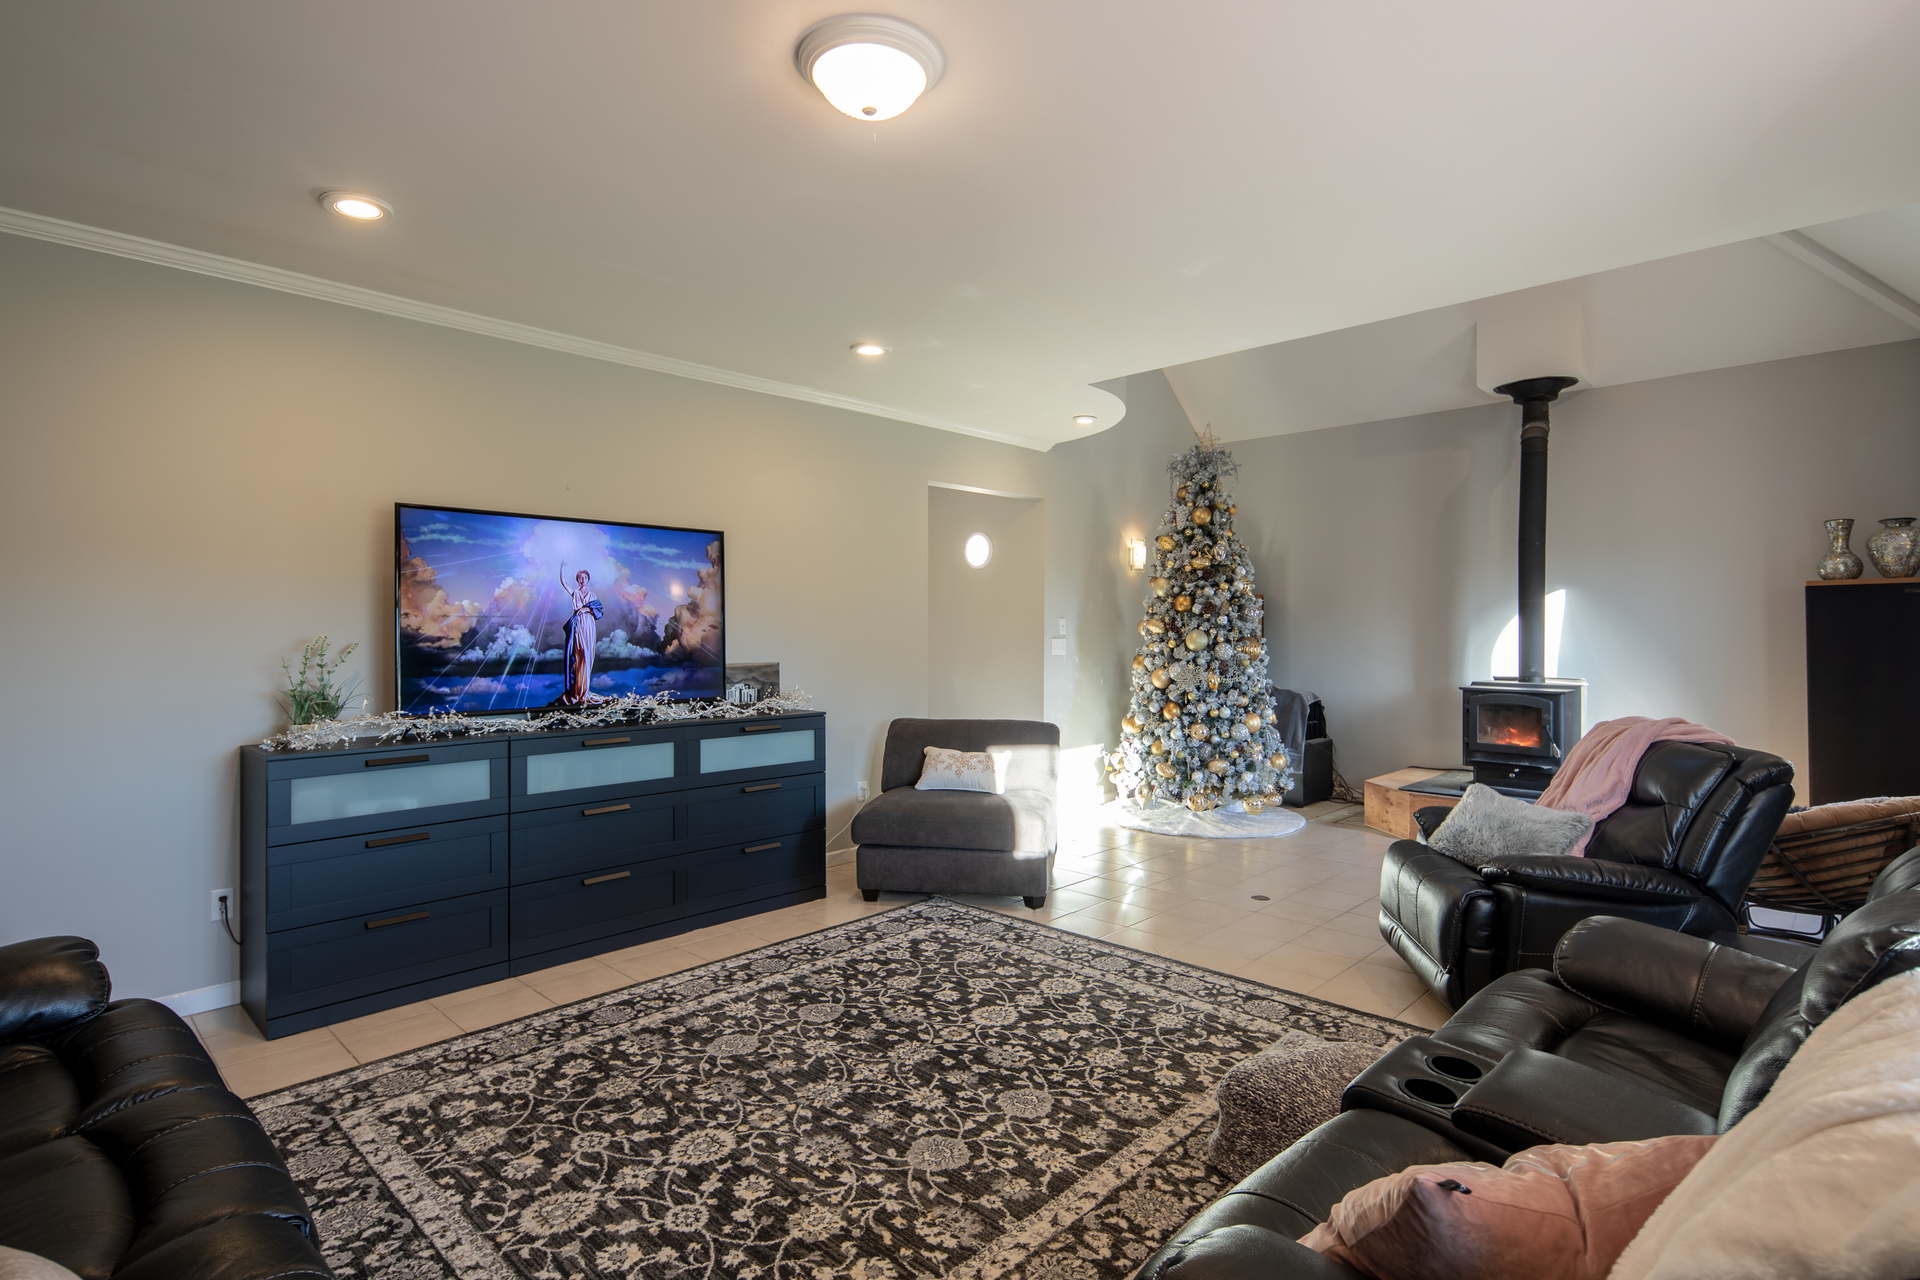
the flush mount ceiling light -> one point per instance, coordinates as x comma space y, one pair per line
869, 65
868, 349
352, 204
1084, 419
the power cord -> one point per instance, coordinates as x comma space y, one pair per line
226, 923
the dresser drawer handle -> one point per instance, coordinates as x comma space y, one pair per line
616, 875
605, 808
765, 786
397, 760
760, 848
381, 844
758, 728
603, 742
381, 924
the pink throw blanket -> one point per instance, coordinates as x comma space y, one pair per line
1598, 773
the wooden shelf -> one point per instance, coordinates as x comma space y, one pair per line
1390, 810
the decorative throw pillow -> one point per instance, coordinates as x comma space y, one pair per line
1273, 1099
946, 770
1549, 1213
18, 1264
1486, 823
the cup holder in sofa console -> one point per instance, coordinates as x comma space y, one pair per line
1431, 1092
1422, 1080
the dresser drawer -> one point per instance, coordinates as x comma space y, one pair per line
325, 880
717, 811
559, 913
743, 749
328, 795
568, 768
742, 873
584, 838
328, 963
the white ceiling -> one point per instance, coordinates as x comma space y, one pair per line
1097, 186
1737, 304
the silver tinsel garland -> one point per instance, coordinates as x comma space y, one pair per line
392, 726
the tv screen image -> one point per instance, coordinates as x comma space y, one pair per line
497, 612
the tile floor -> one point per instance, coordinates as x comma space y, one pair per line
1296, 912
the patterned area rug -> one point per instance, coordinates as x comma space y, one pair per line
937, 1090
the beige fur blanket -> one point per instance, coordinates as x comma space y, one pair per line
1822, 1179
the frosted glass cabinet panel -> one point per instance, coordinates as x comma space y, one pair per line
719, 755
603, 767
355, 795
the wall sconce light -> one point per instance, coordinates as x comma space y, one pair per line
1136, 553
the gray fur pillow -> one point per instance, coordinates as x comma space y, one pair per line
1487, 824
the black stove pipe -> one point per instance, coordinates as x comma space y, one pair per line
1533, 395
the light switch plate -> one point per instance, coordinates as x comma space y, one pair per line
1063, 626
1059, 648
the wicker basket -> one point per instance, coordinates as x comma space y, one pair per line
1823, 867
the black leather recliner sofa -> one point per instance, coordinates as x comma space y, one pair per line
122, 1153
1636, 1032
1679, 854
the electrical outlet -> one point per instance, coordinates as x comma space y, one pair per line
865, 791
1063, 626
233, 905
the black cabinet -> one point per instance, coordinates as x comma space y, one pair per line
374, 877
1863, 698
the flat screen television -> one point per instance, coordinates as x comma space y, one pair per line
495, 612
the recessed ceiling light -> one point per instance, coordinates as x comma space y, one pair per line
351, 204
1084, 419
868, 349
868, 65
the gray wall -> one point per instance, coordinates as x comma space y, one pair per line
984, 628
1684, 514
199, 476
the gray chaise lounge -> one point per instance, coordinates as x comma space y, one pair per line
914, 841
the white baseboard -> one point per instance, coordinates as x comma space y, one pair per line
837, 856
205, 999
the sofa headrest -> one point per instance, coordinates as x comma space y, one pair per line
1875, 942
1035, 746
1898, 876
50, 983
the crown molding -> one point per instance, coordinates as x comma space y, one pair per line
80, 236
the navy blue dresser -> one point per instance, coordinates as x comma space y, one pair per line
375, 877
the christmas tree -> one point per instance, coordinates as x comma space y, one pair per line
1199, 727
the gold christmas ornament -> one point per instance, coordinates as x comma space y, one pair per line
1130, 725
1142, 627
1201, 562
1202, 515
1253, 723
1198, 733
1164, 769
1159, 747
1200, 802
1183, 603
1159, 585
1164, 542
1160, 678
1156, 626
1216, 766
1253, 804
1196, 639
1139, 662
1170, 711
1180, 494
1280, 760
1233, 509
1213, 682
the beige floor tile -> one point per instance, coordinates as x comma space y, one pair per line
1341, 900
776, 929
1090, 925
577, 984
1360, 923
1353, 946
368, 1022
502, 1006
1274, 975
657, 964
1360, 998
232, 1018
383, 1039
1386, 989
1290, 908
567, 969
1428, 1011
264, 1074
1215, 913
1173, 928
486, 991
1239, 942
247, 1044
1303, 959
723, 945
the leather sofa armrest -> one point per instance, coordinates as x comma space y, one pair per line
1533, 1098
1710, 992
50, 983
1620, 881
1244, 1251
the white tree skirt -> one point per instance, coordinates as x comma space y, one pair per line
1229, 822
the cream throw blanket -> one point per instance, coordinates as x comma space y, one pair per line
1822, 1179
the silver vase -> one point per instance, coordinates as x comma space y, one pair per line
1839, 563
1895, 550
